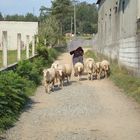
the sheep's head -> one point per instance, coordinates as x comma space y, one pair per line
106, 67
90, 65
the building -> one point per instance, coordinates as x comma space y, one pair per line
119, 32
13, 28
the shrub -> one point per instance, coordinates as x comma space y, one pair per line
39, 63
14, 91
42, 51
16, 87
53, 53
29, 71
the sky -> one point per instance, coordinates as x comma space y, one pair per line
22, 7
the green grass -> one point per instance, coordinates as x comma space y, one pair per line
12, 56
127, 82
121, 77
91, 54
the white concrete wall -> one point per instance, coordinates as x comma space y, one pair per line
13, 28
117, 32
138, 9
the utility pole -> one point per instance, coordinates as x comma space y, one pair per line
71, 25
33, 11
74, 19
74, 14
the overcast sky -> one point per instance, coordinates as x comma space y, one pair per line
24, 6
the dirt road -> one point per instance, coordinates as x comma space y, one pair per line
85, 110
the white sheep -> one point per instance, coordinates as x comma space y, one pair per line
68, 71
105, 67
90, 67
78, 69
55, 64
89, 59
98, 70
61, 70
49, 79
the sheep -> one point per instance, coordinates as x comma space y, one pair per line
78, 69
90, 67
55, 64
98, 70
68, 71
89, 59
61, 70
49, 79
105, 67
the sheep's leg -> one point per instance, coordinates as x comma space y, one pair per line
98, 76
47, 88
92, 75
108, 72
45, 85
105, 74
61, 83
89, 76
43, 82
67, 79
78, 77
52, 86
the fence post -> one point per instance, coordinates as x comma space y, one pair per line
33, 45
18, 46
4, 48
27, 46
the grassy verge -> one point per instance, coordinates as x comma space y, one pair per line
130, 84
125, 81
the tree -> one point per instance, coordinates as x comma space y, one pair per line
61, 9
87, 17
44, 13
49, 30
16, 17
30, 17
1, 17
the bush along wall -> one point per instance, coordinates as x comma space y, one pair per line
16, 86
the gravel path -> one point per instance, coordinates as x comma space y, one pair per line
85, 110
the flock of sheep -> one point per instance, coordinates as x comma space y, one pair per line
60, 73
